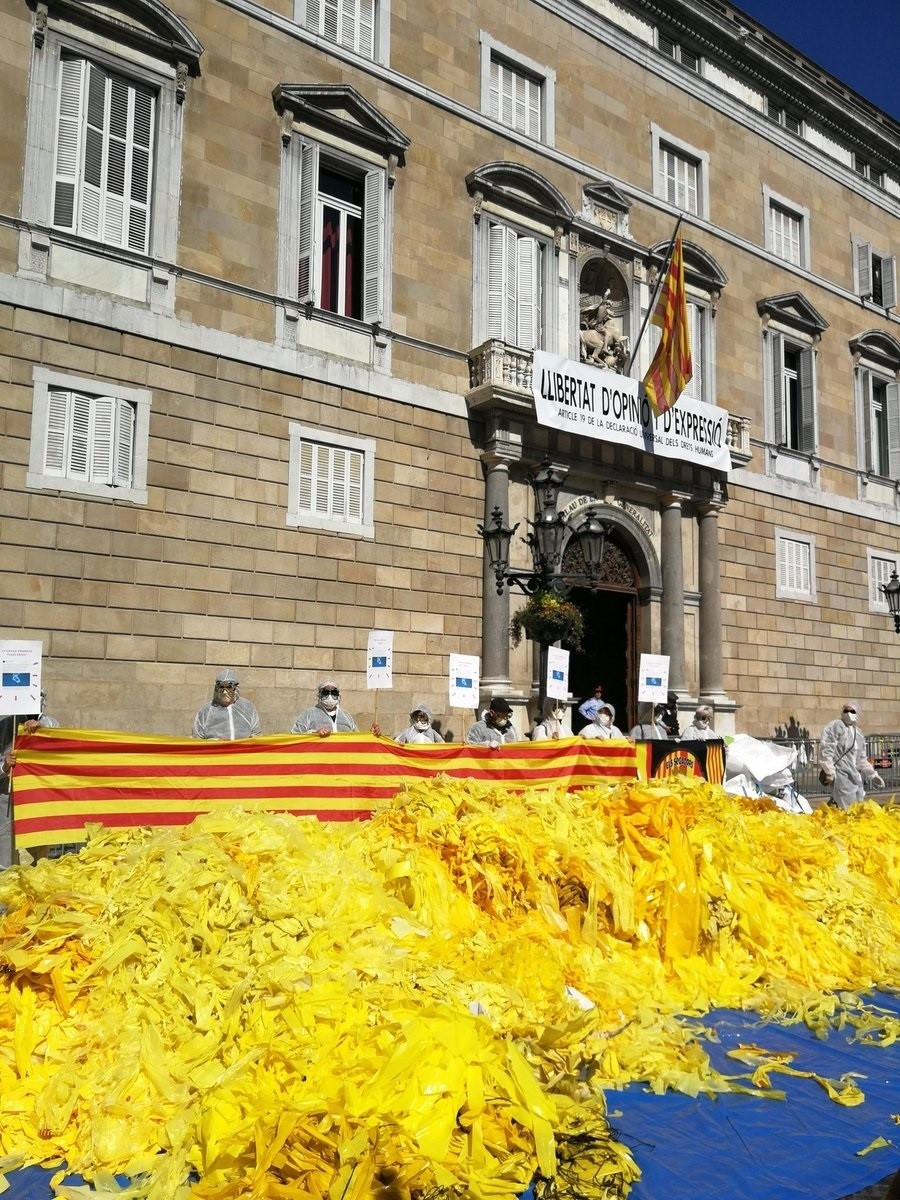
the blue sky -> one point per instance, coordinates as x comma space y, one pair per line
857, 42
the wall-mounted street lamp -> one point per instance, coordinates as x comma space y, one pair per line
545, 540
891, 591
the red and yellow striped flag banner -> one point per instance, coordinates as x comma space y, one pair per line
65, 779
672, 367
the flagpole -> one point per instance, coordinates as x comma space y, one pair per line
652, 305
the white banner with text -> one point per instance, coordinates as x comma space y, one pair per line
580, 399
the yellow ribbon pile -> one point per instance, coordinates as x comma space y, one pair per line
429, 1003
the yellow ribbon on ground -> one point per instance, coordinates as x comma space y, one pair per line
433, 1001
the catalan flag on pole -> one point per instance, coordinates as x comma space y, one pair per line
672, 368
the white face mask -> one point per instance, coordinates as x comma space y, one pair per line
422, 725
329, 703
500, 722
849, 718
604, 719
557, 714
702, 722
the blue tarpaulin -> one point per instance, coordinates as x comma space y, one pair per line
743, 1147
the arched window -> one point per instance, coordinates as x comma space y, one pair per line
876, 357
103, 152
704, 281
519, 221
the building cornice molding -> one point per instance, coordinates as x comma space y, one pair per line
732, 37
594, 25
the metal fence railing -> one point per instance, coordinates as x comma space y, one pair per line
883, 750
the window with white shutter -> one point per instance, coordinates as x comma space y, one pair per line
331, 484
89, 439
696, 325
514, 287
108, 97
680, 172
516, 91
876, 276
881, 566
678, 179
786, 228
793, 394
881, 417
515, 98
340, 265
338, 174
697, 331
794, 566
104, 155
347, 23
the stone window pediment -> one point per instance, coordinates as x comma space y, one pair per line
604, 208
341, 110
795, 311
604, 196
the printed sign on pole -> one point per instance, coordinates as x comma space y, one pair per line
557, 673
380, 659
653, 680
465, 673
20, 677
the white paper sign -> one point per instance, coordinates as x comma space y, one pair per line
20, 677
584, 400
653, 679
557, 673
465, 681
380, 659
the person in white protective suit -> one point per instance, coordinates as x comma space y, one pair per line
700, 728
603, 724
326, 716
655, 730
419, 729
550, 723
495, 728
228, 717
843, 759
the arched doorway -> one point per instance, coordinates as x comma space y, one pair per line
612, 632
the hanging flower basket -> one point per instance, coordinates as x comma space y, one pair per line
546, 618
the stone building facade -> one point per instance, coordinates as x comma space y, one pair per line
271, 279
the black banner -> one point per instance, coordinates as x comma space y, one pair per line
664, 757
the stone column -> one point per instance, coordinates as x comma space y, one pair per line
673, 589
494, 609
710, 606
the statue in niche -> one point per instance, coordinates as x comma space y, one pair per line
602, 344
602, 307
